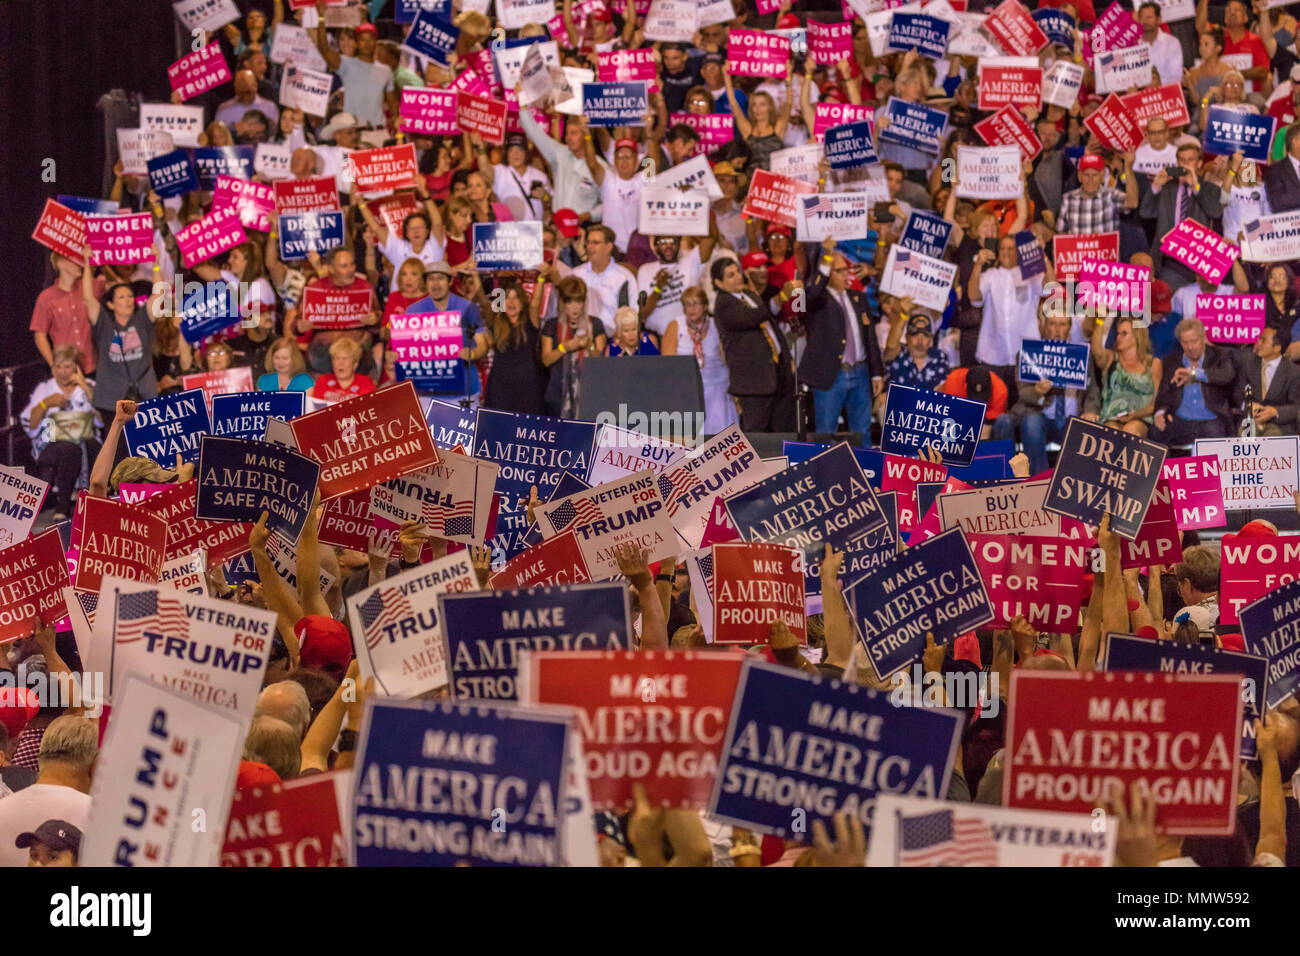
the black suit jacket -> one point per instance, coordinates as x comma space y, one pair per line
1205, 207
823, 354
748, 355
1283, 391
1282, 186
1220, 374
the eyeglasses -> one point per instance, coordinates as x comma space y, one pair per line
840, 269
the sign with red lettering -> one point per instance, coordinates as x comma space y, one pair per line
125, 541
1076, 740
33, 574
384, 169
255, 201
195, 74
120, 240
754, 586
1114, 127
1068, 252
306, 195
222, 540
217, 232
366, 440
1011, 27
61, 229
772, 197
326, 306
655, 718
1251, 568
295, 823
1038, 578
1010, 81
477, 114
1008, 126
556, 560
1197, 495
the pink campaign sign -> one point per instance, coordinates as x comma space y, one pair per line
628, 66
826, 115
429, 110
1116, 285
716, 129
1234, 319
120, 240
1196, 491
203, 70
211, 236
828, 43
1114, 30
757, 53
1201, 249
254, 201
426, 336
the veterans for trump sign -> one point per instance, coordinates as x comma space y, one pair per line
1272, 238
917, 418
630, 510
925, 280
1103, 471
755, 585
1078, 740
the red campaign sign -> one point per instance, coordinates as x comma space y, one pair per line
716, 129
828, 43
297, 823
383, 169
1038, 577
222, 540
1197, 492
902, 475
306, 195
1167, 102
1158, 540
1068, 252
1075, 740
655, 718
33, 574
63, 230
126, 541
556, 560
1009, 86
628, 66
393, 210
203, 70
1114, 126
1252, 567
429, 110
1008, 127
1011, 27
326, 306
215, 233
476, 114
755, 585
255, 201
757, 53
120, 240
224, 382
366, 440
826, 115
345, 521
772, 197
719, 528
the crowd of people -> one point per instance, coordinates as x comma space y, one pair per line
764, 315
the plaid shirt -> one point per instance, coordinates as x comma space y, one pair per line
903, 371
1084, 214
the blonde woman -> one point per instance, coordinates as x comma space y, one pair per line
344, 382
763, 130
1129, 375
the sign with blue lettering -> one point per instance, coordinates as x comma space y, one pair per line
934, 586
914, 125
406, 10
413, 754
1064, 364
239, 479
1125, 652
244, 414
450, 423
569, 484
824, 499
871, 461
1029, 254
1271, 627
173, 174
1104, 471
89, 207
850, 145
874, 549
432, 36
512, 246
531, 450
214, 161
926, 233
615, 104
1057, 25
484, 631
167, 426
917, 417
825, 747
304, 232
925, 34
1227, 132
208, 310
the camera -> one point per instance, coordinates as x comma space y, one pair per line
1175, 172
881, 213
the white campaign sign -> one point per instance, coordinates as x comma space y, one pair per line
925, 280
695, 172
1274, 238
138, 146
989, 172
1255, 473
621, 452
667, 211
307, 90
798, 162
1118, 70
183, 123
1061, 83
1006, 509
832, 216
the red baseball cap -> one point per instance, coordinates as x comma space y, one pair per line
603, 13
1233, 642
367, 28
253, 774
1258, 528
1091, 161
566, 221
754, 260
326, 644
787, 21
626, 144
776, 227
22, 706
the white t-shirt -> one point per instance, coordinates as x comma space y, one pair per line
364, 86
682, 274
397, 250
620, 200
605, 286
24, 811
1245, 204
506, 182
1010, 314
1149, 160
257, 291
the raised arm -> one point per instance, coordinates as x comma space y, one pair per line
783, 118
838, 627
276, 592
742, 121
88, 287
654, 626
309, 593
332, 58
102, 470
372, 221
324, 730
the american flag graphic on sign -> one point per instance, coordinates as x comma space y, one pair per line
570, 512
462, 514
458, 525
672, 484
706, 566
148, 610
821, 204
901, 257
89, 602
943, 838
384, 607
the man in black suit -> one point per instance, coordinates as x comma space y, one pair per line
1274, 384
1196, 385
1282, 180
758, 358
841, 357
1170, 201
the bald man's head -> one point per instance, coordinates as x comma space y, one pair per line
302, 164
245, 86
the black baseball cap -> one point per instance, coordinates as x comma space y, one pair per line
58, 835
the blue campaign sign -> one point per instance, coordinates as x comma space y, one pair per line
850, 145
872, 461
239, 479
484, 631
304, 232
1064, 364
214, 161
414, 754
926, 233
785, 727
1029, 254
407, 9
615, 104
926, 492
925, 34
432, 36
986, 466
934, 586
1102, 471
1271, 627
1057, 25
167, 426
207, 310
244, 414
1227, 132
1125, 652
512, 246
88, 207
173, 174
917, 417
824, 499
450, 423
915, 125
874, 549
532, 450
